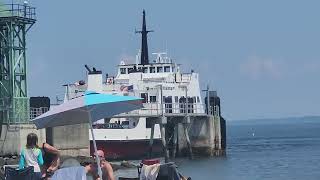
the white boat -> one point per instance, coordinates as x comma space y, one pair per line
163, 86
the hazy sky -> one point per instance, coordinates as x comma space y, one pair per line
263, 57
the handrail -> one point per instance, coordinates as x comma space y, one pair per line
156, 109
153, 109
35, 112
17, 10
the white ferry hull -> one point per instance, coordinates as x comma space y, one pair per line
125, 144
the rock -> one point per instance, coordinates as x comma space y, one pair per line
12, 161
116, 167
127, 164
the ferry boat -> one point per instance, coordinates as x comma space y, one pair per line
165, 89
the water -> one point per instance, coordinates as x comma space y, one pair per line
278, 150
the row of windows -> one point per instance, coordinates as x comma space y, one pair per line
168, 99
158, 69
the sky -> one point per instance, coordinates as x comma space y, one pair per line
261, 56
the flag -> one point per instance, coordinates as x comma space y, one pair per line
126, 88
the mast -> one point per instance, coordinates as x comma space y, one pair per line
144, 57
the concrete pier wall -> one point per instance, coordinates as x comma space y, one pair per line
205, 137
72, 140
14, 137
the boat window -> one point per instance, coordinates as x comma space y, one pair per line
144, 96
176, 99
168, 104
148, 124
167, 99
145, 69
190, 104
153, 98
130, 70
198, 99
108, 126
167, 69
125, 123
173, 69
152, 69
159, 69
182, 104
123, 71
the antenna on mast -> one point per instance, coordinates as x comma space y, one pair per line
144, 57
160, 58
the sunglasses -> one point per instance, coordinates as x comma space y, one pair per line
101, 157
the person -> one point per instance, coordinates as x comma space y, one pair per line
107, 171
31, 155
51, 159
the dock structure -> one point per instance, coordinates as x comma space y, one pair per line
187, 129
191, 133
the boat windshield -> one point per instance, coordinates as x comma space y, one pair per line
108, 126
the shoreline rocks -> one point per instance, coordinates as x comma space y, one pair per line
14, 160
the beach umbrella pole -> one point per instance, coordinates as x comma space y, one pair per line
95, 147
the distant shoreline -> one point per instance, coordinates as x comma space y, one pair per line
280, 118
298, 118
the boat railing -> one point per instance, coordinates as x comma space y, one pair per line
157, 109
35, 112
150, 109
17, 10
186, 77
153, 109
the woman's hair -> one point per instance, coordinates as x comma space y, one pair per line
32, 141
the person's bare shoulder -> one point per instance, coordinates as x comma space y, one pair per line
50, 148
108, 168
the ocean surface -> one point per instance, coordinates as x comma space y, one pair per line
284, 149
263, 149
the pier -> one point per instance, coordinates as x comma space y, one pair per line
186, 131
